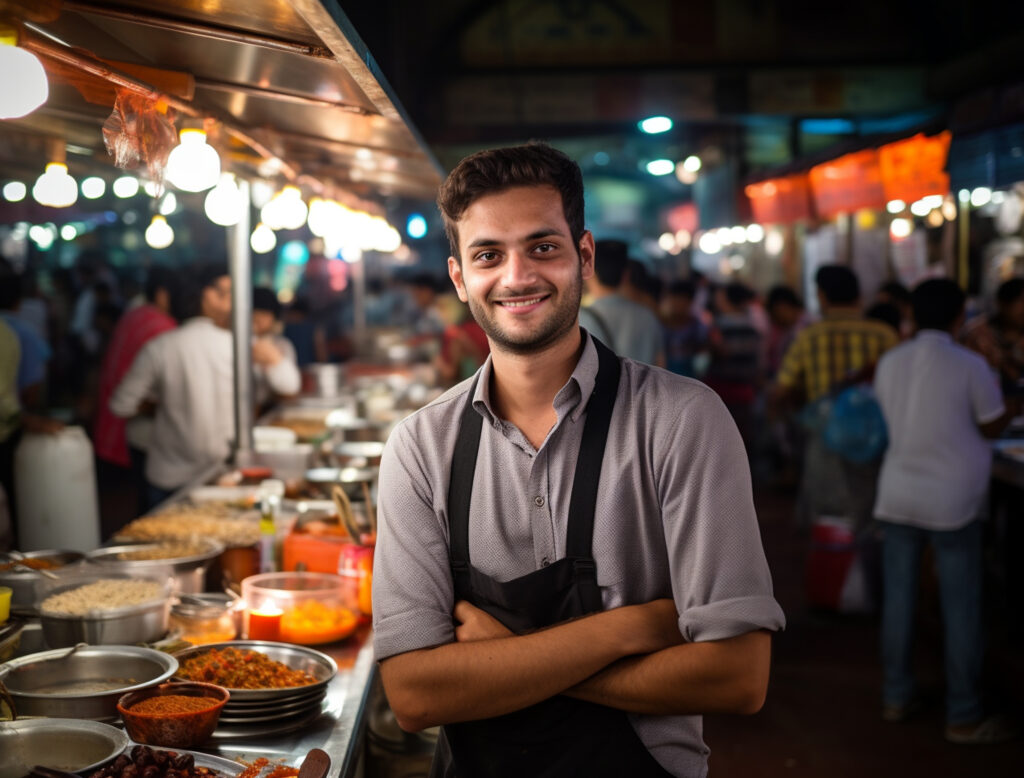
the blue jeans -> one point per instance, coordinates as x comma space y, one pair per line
959, 568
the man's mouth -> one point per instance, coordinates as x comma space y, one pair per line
524, 303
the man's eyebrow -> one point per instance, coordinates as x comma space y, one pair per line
542, 233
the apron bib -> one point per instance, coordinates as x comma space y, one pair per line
560, 736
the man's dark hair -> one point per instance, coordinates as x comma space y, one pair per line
495, 170
937, 303
10, 290
191, 299
782, 295
738, 293
681, 287
838, 283
264, 299
896, 292
1009, 291
611, 258
642, 279
886, 313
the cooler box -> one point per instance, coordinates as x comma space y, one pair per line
829, 564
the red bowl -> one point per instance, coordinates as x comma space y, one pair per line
173, 729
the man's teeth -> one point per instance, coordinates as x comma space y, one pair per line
520, 303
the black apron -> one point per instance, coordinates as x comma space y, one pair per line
560, 736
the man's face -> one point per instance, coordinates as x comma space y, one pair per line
521, 273
262, 322
217, 301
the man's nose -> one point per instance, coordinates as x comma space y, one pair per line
519, 269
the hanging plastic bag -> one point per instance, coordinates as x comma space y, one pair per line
140, 131
855, 428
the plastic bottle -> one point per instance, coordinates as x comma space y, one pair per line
270, 494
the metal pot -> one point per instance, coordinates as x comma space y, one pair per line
25, 584
144, 622
189, 572
323, 379
60, 744
358, 453
85, 684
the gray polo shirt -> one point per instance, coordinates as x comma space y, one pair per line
675, 518
626, 327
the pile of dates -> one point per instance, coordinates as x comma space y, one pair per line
146, 762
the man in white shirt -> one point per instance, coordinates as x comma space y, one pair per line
940, 402
188, 374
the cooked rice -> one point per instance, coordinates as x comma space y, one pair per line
105, 594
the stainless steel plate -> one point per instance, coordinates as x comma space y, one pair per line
249, 720
277, 703
63, 744
274, 708
318, 665
276, 727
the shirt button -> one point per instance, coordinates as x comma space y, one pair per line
545, 562
538, 501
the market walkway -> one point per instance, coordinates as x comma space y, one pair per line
822, 717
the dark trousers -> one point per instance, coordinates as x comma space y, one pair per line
7, 449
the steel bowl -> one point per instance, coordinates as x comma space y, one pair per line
85, 684
144, 622
25, 583
358, 453
60, 744
189, 572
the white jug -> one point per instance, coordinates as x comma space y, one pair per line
56, 489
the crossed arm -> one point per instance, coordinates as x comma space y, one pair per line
632, 658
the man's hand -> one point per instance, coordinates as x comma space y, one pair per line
265, 353
477, 624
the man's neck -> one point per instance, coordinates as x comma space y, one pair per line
523, 386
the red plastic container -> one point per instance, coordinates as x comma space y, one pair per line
833, 549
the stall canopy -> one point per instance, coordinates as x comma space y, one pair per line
288, 84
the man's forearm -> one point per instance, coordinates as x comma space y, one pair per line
722, 676
465, 681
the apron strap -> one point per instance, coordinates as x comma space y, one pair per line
583, 499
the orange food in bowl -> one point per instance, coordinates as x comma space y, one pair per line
311, 622
173, 715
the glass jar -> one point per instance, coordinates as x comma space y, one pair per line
204, 622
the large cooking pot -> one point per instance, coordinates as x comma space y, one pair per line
85, 684
187, 565
25, 584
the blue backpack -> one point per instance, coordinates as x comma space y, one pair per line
855, 428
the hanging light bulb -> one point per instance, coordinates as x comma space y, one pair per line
168, 204
159, 234
14, 191
262, 239
286, 210
93, 187
126, 186
55, 187
224, 204
193, 165
25, 84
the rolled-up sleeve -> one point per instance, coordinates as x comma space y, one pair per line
413, 594
139, 383
720, 578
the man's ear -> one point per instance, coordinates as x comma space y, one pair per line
586, 250
455, 274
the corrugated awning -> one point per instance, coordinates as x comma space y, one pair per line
286, 78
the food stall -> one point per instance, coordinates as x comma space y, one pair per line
290, 101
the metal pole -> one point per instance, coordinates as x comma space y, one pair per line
359, 301
241, 328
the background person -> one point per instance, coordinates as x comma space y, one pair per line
940, 402
274, 363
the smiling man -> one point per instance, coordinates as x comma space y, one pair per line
569, 570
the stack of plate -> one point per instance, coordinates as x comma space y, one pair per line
258, 712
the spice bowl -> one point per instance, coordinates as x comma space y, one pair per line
178, 714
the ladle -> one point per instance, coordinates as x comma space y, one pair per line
17, 562
348, 519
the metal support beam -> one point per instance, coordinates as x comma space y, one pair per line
240, 261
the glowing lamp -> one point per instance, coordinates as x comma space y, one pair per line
755, 233
159, 234
15, 191
193, 165
224, 204
55, 187
126, 186
93, 187
25, 84
286, 210
262, 239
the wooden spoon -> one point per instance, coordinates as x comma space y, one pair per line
316, 764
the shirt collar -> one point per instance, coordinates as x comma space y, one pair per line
934, 335
568, 399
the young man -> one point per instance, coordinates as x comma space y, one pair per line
940, 402
569, 570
